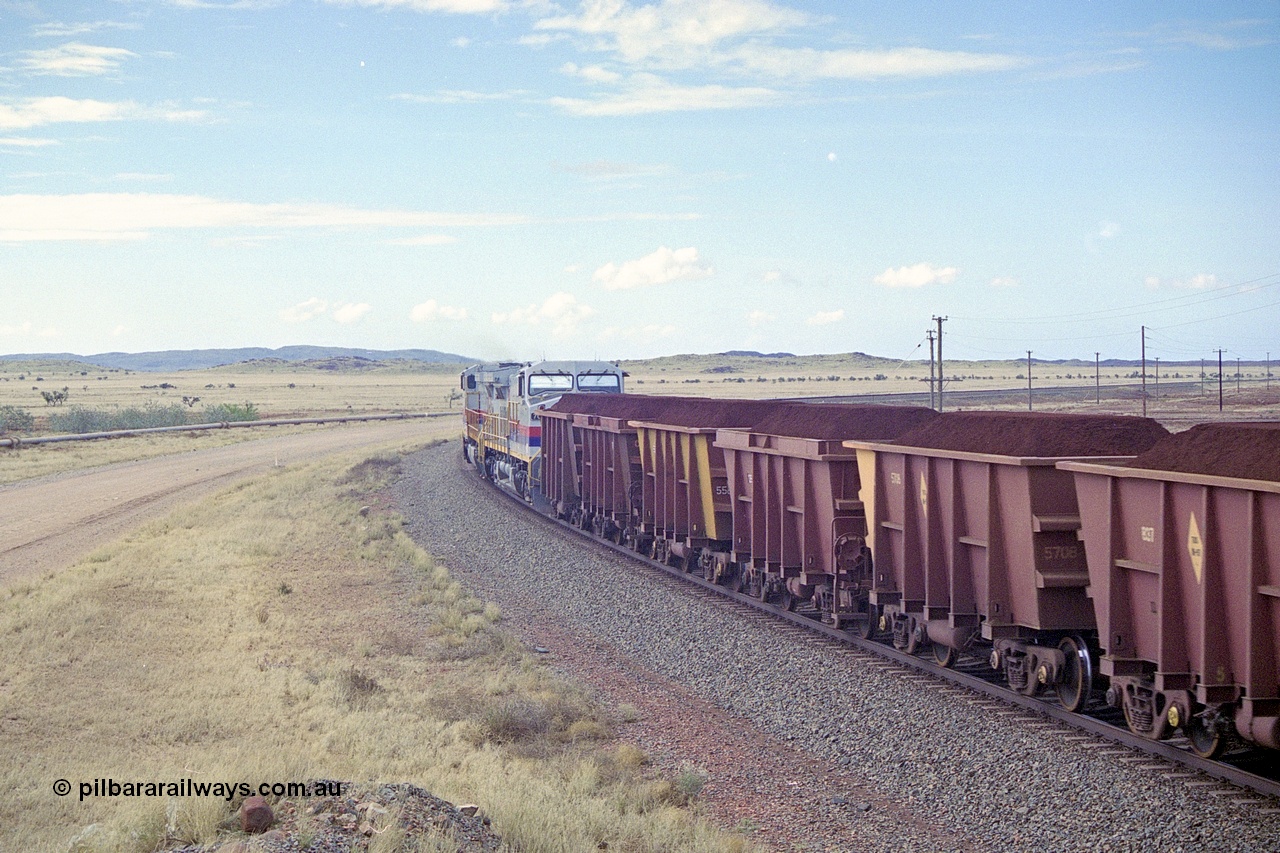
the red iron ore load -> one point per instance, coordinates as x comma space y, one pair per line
625, 406
1036, 434
1249, 451
838, 422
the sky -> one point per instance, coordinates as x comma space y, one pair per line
614, 179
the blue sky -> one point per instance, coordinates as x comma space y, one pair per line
624, 179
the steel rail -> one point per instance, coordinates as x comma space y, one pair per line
1263, 785
130, 433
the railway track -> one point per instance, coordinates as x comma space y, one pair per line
1247, 776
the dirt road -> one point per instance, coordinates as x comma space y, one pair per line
49, 523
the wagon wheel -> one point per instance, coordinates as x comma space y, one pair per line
737, 582
760, 587
787, 599
1076, 685
944, 656
1206, 740
867, 629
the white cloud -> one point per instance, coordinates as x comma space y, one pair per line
672, 32
593, 73
916, 276
74, 60
1004, 281
458, 96
903, 62
647, 93
58, 29
561, 311
304, 311
1107, 230
825, 318
733, 35
758, 318
1201, 281
457, 7
349, 312
432, 310
425, 240
34, 112
26, 329
115, 216
660, 267
26, 141
647, 333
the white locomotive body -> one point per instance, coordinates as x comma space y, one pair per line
503, 434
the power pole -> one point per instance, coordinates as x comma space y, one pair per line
940, 321
932, 405
1219, 380
1097, 377
1237, 375
1028, 380
1202, 377
1157, 378
1144, 371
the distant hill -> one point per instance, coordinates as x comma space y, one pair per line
171, 360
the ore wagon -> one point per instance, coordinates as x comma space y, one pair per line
1183, 548
973, 532
799, 530
591, 459
685, 507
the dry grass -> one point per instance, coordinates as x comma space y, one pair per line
278, 390
273, 633
41, 460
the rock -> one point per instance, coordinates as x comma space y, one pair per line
469, 809
255, 815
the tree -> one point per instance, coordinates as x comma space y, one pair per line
55, 398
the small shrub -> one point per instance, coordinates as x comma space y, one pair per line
14, 419
229, 412
79, 419
355, 689
514, 721
55, 398
689, 782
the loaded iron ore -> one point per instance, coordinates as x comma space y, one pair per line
1249, 451
625, 406
838, 422
1036, 434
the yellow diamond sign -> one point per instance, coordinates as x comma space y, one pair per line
1195, 547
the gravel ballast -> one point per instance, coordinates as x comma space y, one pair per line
890, 763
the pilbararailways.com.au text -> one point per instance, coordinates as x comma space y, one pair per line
191, 788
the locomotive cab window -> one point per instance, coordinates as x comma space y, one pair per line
546, 383
600, 382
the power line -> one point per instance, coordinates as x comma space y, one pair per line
1108, 313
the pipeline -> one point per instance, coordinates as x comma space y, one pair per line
127, 433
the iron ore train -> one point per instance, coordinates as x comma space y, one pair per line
1089, 556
